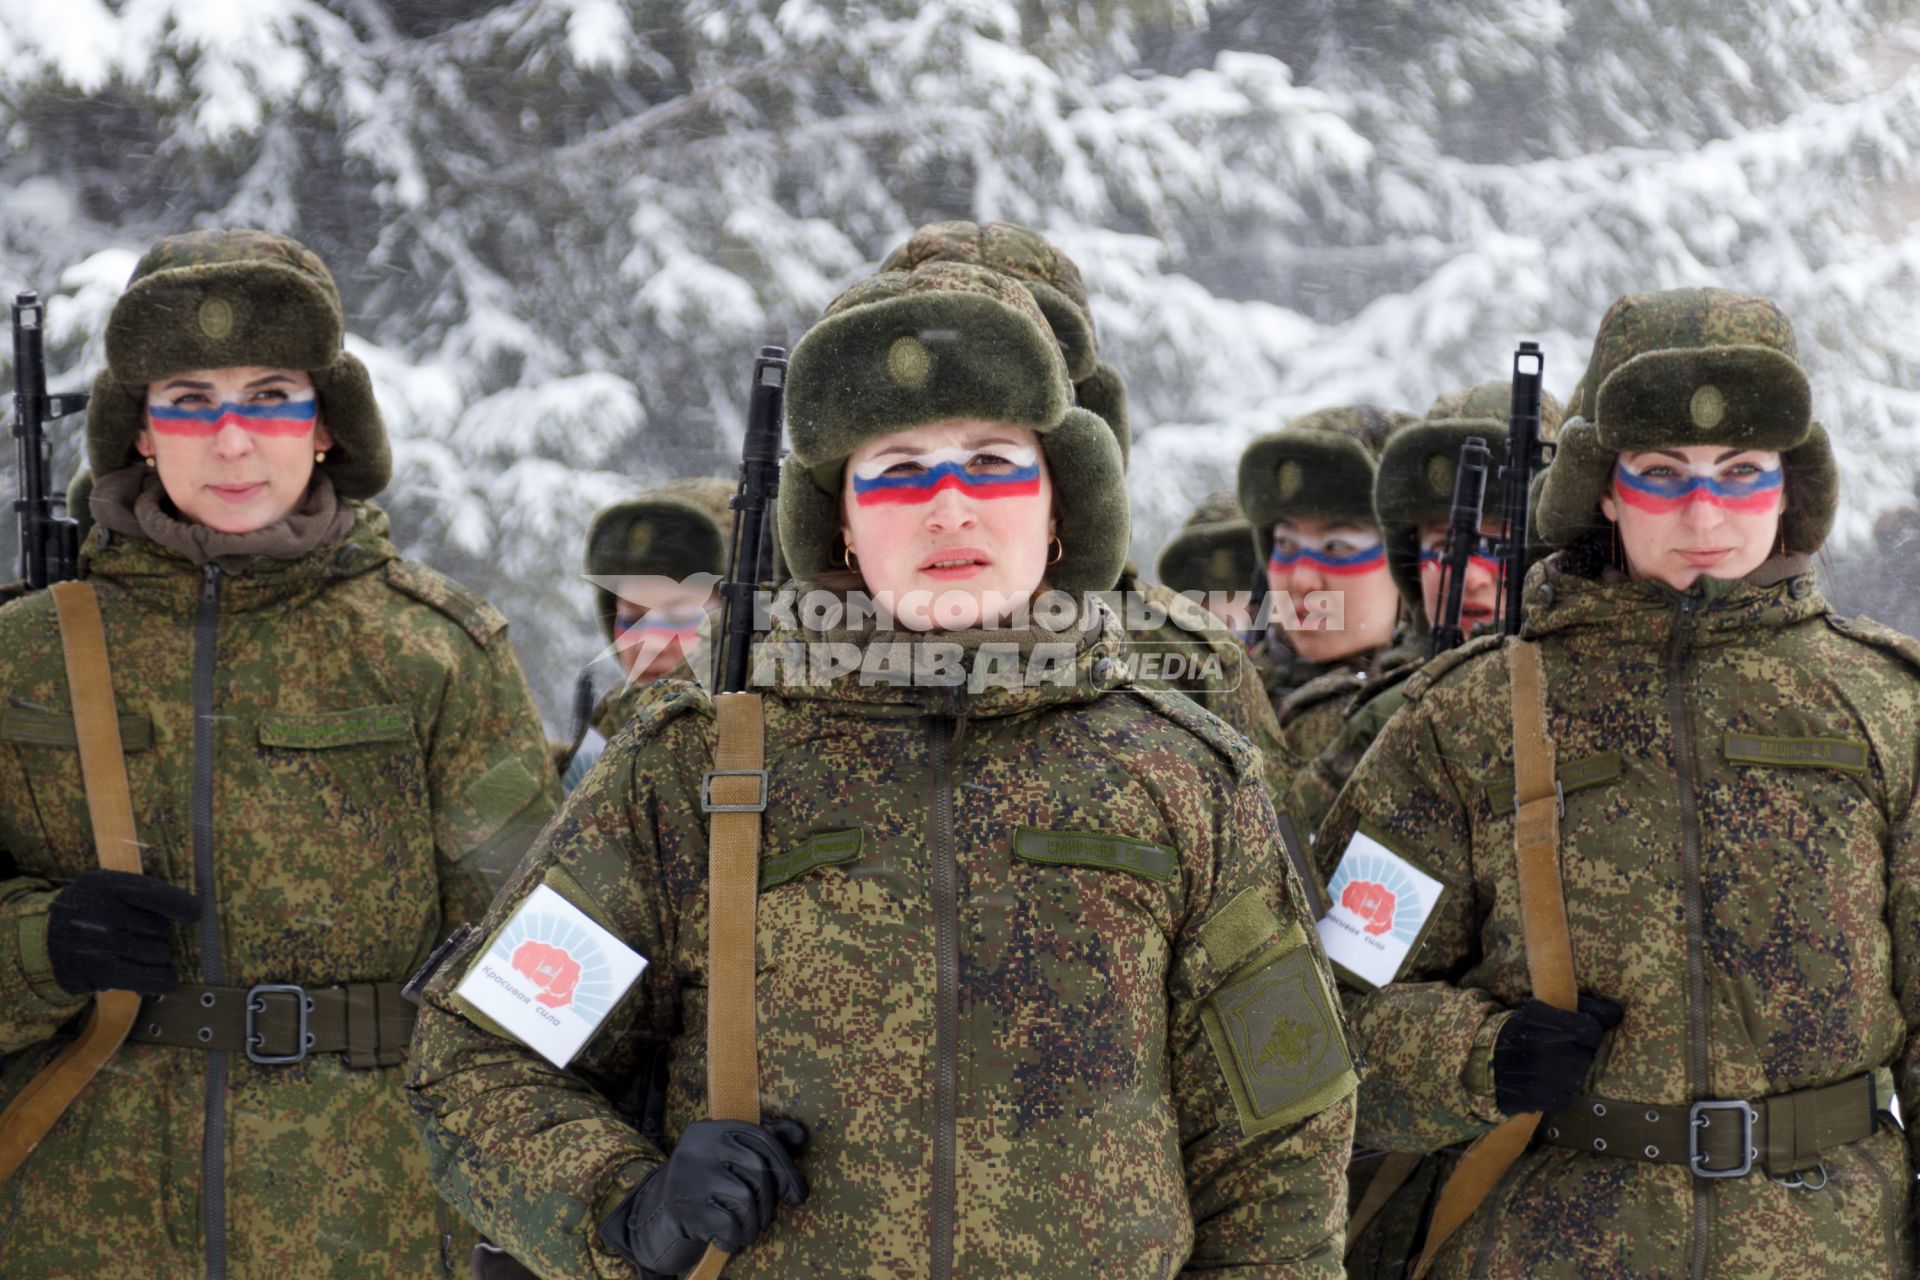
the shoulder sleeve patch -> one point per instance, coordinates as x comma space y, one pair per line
1203, 724
1278, 1036
1426, 677
468, 608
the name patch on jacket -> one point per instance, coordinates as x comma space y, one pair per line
1381, 906
392, 722
1845, 754
551, 976
1094, 849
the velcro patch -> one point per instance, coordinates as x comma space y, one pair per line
1095, 849
493, 799
826, 849
392, 722
1278, 1038
1575, 775
55, 729
1849, 755
1382, 904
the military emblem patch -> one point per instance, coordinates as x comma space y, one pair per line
909, 362
1381, 905
1278, 1038
216, 318
1708, 408
1292, 476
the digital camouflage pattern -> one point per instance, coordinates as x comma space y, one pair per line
1105, 870
1637, 323
377, 768
1216, 673
1315, 783
1759, 923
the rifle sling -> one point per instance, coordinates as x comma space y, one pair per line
739, 779
37, 1107
1543, 920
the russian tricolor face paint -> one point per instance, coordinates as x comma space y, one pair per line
998, 471
284, 414
1696, 510
1340, 555
1480, 586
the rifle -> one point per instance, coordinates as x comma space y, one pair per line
1463, 534
49, 541
1526, 458
750, 551
582, 717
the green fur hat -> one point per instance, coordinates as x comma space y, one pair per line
1057, 288
1213, 551
1687, 367
228, 298
945, 340
674, 531
1320, 465
1414, 485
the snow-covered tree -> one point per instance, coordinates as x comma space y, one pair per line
563, 227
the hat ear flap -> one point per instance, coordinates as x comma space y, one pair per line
809, 520
1104, 393
360, 460
1071, 327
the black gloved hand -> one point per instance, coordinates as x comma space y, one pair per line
1541, 1056
107, 931
721, 1185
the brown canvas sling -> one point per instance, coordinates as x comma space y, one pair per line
1543, 920
734, 793
103, 770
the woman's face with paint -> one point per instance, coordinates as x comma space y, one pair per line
1697, 509
1312, 555
949, 524
234, 447
656, 623
1480, 586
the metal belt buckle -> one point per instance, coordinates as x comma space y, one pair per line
257, 1003
706, 791
1699, 1116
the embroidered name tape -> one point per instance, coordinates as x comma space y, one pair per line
551, 976
1381, 905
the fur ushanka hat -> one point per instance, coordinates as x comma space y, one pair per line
1687, 367
1414, 485
1320, 465
674, 531
231, 298
946, 340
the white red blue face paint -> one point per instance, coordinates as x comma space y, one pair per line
995, 471
1485, 555
1339, 555
1662, 486
294, 413
664, 626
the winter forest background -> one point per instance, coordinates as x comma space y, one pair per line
563, 227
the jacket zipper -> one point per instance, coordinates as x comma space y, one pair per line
946, 998
213, 969
1685, 770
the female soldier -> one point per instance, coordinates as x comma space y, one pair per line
333, 756
1737, 852
1035, 992
1307, 490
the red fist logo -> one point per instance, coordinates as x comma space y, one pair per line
550, 969
1372, 902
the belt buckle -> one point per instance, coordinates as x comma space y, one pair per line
1699, 1116
706, 791
257, 1003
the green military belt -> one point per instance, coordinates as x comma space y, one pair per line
278, 1023
1786, 1133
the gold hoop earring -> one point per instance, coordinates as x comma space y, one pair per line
319, 455
1059, 550
846, 558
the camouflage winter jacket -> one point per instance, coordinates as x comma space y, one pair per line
1006, 938
339, 754
1740, 855
1360, 718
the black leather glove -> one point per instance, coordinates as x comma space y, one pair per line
1541, 1056
721, 1185
107, 931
